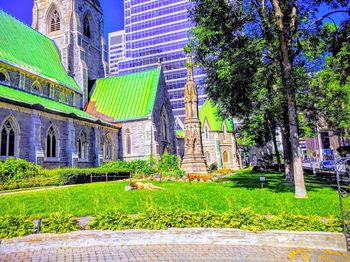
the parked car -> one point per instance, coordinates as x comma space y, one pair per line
327, 164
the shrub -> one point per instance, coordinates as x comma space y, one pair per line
225, 171
59, 223
68, 176
15, 169
143, 167
169, 163
15, 226
112, 221
153, 219
244, 219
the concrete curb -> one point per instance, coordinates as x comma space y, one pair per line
174, 236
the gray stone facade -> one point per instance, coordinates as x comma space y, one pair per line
32, 128
221, 148
82, 53
146, 136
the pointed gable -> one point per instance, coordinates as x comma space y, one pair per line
210, 112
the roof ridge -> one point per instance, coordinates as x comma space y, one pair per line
133, 73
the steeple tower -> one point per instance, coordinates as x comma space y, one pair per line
76, 27
194, 160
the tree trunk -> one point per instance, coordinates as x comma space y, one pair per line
277, 153
300, 190
287, 154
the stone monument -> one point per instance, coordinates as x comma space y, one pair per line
193, 161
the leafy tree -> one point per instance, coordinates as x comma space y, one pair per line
254, 53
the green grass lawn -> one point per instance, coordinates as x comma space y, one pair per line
241, 191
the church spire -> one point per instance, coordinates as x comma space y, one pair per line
189, 66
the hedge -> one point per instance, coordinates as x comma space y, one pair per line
155, 219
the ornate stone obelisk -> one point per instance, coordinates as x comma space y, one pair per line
193, 160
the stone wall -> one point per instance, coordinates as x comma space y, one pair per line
140, 147
33, 127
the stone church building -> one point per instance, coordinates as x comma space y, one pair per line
46, 75
138, 103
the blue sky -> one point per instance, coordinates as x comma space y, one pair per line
113, 12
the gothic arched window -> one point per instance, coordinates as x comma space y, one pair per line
87, 31
62, 97
51, 143
9, 135
127, 142
82, 146
206, 128
164, 126
37, 88
55, 21
225, 157
107, 148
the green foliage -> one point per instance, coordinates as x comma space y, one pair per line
302, 223
14, 169
154, 219
142, 167
169, 165
112, 221
59, 223
15, 226
245, 219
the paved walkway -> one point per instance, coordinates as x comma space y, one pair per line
174, 253
29, 190
176, 245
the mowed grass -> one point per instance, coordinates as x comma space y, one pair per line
241, 191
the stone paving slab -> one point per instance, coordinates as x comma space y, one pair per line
180, 236
195, 244
175, 253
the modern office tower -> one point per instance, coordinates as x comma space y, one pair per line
158, 30
116, 43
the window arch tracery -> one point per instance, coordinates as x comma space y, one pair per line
9, 137
54, 21
164, 124
52, 143
127, 141
83, 146
107, 148
37, 88
86, 27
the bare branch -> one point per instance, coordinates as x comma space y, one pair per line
328, 14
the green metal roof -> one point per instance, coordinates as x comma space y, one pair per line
16, 96
125, 97
25, 48
210, 112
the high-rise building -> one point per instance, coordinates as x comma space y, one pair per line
116, 43
158, 30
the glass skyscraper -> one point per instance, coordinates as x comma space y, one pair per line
158, 30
